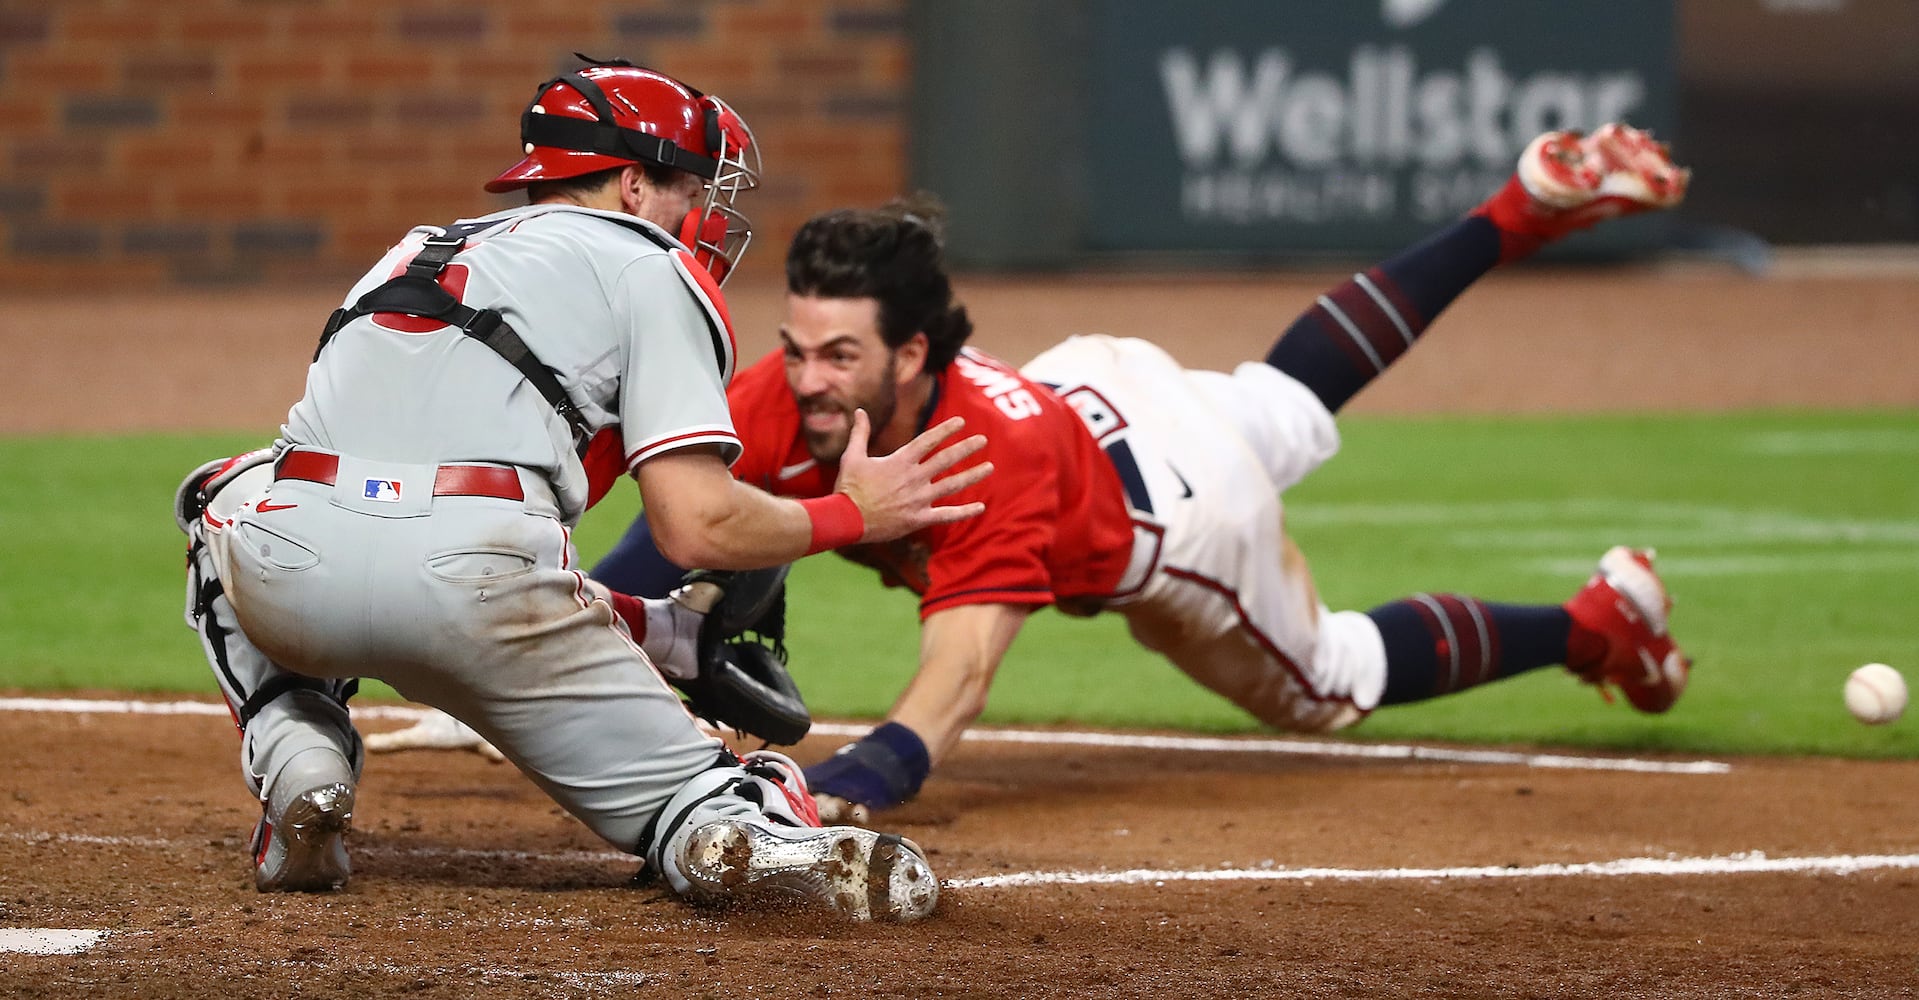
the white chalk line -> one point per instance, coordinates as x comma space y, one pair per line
56, 941
1731, 864
1542, 537
1836, 441
39, 837
76, 940
1687, 567
1741, 863
1553, 538
1318, 748
1118, 741
48, 940
1732, 522
485, 973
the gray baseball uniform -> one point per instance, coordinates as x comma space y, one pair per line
413, 526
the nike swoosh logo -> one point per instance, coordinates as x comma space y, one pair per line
1654, 675
268, 505
796, 468
1183, 484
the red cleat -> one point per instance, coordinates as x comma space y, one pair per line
1619, 634
1567, 181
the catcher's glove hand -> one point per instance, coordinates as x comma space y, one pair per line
742, 681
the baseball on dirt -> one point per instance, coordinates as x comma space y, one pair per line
1875, 694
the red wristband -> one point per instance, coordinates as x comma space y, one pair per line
837, 521
631, 610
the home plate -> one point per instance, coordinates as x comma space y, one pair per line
47, 940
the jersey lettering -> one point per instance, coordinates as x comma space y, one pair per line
1003, 388
1017, 405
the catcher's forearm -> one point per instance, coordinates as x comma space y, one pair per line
699, 515
635, 566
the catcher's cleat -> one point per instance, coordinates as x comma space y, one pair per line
858, 873
300, 842
1567, 181
1620, 632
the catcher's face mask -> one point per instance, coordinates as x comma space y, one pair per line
612, 113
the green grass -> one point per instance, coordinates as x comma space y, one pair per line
1790, 539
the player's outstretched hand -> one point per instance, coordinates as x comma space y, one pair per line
896, 493
835, 811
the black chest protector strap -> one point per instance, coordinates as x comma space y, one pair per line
417, 292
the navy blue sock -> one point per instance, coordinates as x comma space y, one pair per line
883, 769
1440, 643
635, 565
1356, 331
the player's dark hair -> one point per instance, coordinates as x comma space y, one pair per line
586, 184
895, 255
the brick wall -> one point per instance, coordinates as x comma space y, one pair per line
149, 143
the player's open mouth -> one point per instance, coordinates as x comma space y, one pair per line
823, 418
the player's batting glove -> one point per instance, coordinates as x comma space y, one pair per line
740, 679
881, 770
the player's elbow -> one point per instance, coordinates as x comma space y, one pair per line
698, 540
686, 542
697, 514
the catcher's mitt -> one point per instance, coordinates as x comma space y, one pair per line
742, 681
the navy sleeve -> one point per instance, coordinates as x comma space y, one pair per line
635, 565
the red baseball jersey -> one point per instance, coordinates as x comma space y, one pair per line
1056, 525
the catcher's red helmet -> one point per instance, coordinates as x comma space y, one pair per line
612, 113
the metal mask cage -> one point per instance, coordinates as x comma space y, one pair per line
738, 173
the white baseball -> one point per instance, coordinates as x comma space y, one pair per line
1875, 694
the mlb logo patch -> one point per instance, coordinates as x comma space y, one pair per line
384, 490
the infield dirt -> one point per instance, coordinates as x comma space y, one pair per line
469, 882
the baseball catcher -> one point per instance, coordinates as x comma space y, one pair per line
477, 390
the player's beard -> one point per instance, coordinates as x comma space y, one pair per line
879, 401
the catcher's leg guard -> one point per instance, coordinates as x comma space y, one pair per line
298, 749
748, 833
299, 844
